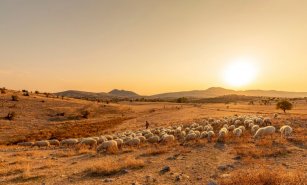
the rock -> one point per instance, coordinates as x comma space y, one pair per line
165, 169
222, 167
135, 183
199, 178
124, 171
225, 175
108, 180
212, 182
237, 158
150, 179
225, 167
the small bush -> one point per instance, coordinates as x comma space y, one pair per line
26, 93
109, 166
36, 92
15, 98
85, 114
10, 116
3, 91
265, 176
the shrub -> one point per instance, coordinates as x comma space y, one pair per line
182, 100
263, 176
15, 98
109, 166
10, 116
26, 93
284, 105
3, 91
85, 114
36, 92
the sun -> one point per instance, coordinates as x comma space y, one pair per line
240, 72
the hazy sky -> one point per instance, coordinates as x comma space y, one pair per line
151, 46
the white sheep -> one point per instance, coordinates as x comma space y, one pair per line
204, 134
26, 144
134, 142
153, 139
119, 142
109, 146
168, 139
237, 132
89, 141
285, 131
242, 128
191, 136
222, 134
69, 142
54, 142
254, 129
42, 143
210, 135
142, 139
231, 127
267, 121
264, 131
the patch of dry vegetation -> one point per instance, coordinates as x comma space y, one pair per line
154, 151
109, 166
263, 176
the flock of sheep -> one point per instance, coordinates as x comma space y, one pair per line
236, 126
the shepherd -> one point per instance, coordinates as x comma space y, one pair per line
147, 125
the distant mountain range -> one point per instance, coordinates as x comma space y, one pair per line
208, 93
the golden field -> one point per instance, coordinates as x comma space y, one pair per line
236, 161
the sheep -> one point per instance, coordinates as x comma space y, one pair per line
142, 139
54, 142
237, 122
69, 142
153, 139
259, 121
102, 139
42, 143
210, 135
168, 139
268, 130
250, 125
190, 136
26, 144
89, 141
242, 128
134, 142
108, 146
204, 134
267, 121
231, 127
109, 137
222, 134
285, 131
237, 132
254, 129
119, 142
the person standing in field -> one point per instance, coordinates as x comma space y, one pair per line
147, 125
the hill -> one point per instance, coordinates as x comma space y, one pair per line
208, 93
218, 91
123, 93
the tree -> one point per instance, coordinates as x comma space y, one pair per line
284, 105
182, 100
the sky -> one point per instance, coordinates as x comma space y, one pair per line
152, 46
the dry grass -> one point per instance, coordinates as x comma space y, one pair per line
153, 151
265, 176
109, 166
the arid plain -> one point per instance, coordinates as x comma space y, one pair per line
236, 160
